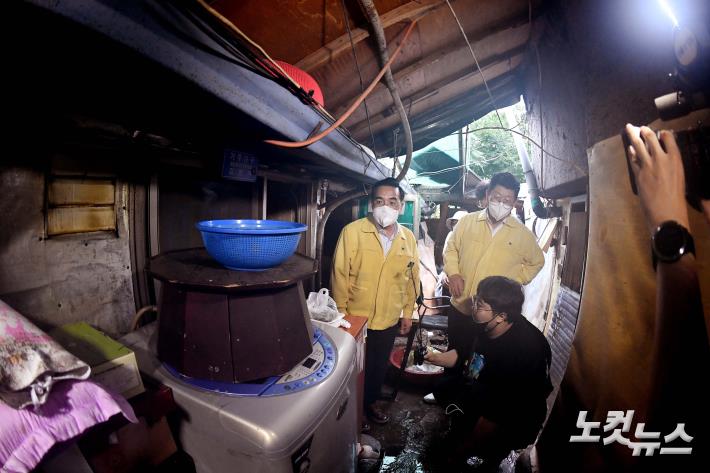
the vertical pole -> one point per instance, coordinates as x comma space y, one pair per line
264, 190
462, 161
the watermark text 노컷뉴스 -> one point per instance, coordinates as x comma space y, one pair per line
619, 423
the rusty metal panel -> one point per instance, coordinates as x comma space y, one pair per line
68, 191
576, 251
561, 332
61, 280
65, 220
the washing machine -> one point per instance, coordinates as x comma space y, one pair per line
302, 421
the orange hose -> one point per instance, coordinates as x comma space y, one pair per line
339, 121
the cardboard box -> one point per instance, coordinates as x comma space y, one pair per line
112, 364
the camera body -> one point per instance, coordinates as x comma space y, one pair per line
419, 353
691, 74
691, 81
694, 145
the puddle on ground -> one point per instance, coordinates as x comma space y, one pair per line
416, 439
406, 461
408, 458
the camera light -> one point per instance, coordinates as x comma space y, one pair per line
668, 11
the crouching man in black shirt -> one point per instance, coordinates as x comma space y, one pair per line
497, 396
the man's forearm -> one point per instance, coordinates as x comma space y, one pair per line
681, 349
447, 359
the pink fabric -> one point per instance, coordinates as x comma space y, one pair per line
30, 361
27, 435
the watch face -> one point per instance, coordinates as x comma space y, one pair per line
669, 241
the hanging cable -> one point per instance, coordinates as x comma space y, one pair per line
538, 207
261, 62
439, 171
379, 34
470, 48
359, 73
570, 163
351, 109
273, 71
234, 28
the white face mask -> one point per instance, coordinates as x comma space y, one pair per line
385, 216
498, 210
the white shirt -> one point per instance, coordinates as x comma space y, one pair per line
385, 239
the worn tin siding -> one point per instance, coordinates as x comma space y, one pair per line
62, 279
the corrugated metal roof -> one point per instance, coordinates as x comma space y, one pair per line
440, 85
163, 34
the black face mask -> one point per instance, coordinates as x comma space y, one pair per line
484, 327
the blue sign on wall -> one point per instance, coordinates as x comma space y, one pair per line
239, 166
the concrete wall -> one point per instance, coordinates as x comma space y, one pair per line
601, 63
61, 279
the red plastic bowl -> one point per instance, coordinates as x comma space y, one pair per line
414, 377
304, 79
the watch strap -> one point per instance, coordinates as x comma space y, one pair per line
689, 246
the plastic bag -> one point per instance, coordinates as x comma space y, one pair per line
322, 307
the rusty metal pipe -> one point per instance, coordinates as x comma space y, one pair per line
385, 61
320, 233
385, 70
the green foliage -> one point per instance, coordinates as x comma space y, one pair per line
491, 149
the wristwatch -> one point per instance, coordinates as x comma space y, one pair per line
670, 241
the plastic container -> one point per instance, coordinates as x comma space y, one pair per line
420, 378
250, 245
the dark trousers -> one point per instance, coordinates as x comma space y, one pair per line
467, 405
461, 334
377, 353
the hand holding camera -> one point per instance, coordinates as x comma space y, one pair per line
658, 171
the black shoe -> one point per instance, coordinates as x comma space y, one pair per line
376, 415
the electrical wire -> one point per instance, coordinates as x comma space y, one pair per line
448, 191
378, 34
439, 171
258, 62
351, 109
371, 161
251, 61
359, 73
490, 95
230, 54
570, 163
234, 28
367, 112
478, 66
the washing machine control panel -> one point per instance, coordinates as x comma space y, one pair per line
311, 371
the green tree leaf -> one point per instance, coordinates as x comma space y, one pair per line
491, 149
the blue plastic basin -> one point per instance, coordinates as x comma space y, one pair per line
250, 245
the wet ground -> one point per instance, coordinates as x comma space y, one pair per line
414, 438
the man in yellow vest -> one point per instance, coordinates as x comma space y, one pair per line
487, 243
376, 275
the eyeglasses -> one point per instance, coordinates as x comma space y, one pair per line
477, 302
502, 199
